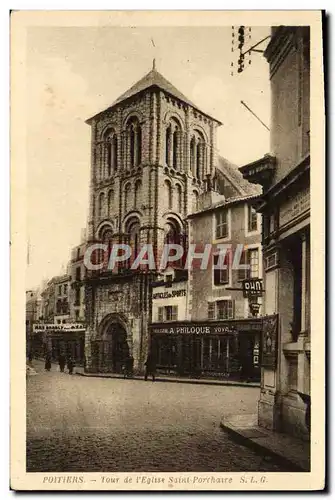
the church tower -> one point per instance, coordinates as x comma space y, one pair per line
153, 153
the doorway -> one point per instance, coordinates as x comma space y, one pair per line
114, 349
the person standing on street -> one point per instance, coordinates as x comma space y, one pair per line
70, 365
61, 362
48, 362
150, 367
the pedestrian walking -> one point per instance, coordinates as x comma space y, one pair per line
150, 367
128, 366
47, 362
61, 361
70, 365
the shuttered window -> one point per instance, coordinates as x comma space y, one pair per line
221, 276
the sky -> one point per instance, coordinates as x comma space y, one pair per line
75, 72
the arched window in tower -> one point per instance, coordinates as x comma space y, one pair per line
127, 191
195, 201
137, 193
134, 134
173, 235
197, 155
175, 149
179, 198
173, 137
139, 146
192, 155
168, 193
107, 239
101, 204
110, 201
132, 147
110, 152
198, 160
133, 232
108, 146
114, 153
167, 144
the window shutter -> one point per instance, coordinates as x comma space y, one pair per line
225, 272
225, 224
216, 271
161, 314
174, 315
217, 224
242, 273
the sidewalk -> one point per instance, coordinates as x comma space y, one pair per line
79, 370
292, 452
171, 378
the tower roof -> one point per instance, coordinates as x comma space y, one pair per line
153, 79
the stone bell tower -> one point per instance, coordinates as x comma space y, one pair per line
151, 153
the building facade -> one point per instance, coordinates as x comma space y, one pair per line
285, 207
54, 330
152, 153
62, 298
33, 313
215, 293
169, 299
77, 270
201, 322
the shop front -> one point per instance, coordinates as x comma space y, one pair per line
64, 339
223, 349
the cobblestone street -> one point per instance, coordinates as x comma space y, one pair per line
93, 424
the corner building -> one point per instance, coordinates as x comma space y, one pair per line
285, 398
152, 152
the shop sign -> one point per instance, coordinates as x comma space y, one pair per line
294, 207
65, 327
194, 329
269, 341
169, 295
252, 287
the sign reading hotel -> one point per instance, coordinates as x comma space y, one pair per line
252, 287
65, 327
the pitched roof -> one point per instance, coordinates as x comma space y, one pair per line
153, 79
232, 173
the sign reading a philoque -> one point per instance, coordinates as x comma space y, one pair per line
252, 287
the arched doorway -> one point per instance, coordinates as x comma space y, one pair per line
113, 348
